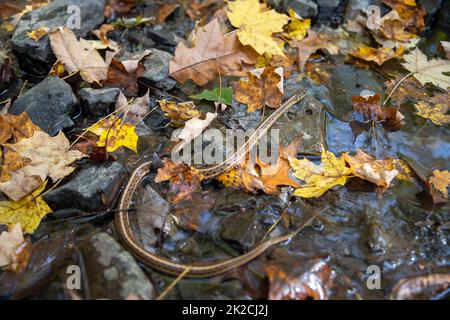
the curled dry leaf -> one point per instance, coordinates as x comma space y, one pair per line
184, 181
426, 70
180, 112
114, 134
28, 212
256, 25
14, 250
78, 55
377, 55
379, 172
311, 44
319, 178
125, 74
193, 128
213, 53
263, 87
135, 111
371, 108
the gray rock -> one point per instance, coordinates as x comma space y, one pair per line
331, 12
305, 8
49, 105
98, 102
355, 7
238, 230
157, 70
48, 256
112, 272
37, 57
91, 189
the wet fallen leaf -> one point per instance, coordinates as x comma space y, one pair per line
440, 180
311, 44
114, 134
379, 172
14, 250
78, 55
263, 87
410, 88
436, 112
319, 178
372, 110
38, 34
212, 54
28, 212
298, 27
299, 280
179, 112
256, 25
221, 95
184, 181
426, 70
377, 55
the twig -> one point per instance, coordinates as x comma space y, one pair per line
173, 284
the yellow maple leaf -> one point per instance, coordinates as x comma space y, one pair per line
298, 27
257, 26
115, 134
38, 34
436, 113
28, 212
441, 180
319, 178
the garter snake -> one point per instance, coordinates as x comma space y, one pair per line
125, 232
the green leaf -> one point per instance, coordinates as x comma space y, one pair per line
225, 98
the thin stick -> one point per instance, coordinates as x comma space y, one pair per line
396, 86
173, 284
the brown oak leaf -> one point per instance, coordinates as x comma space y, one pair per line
213, 53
